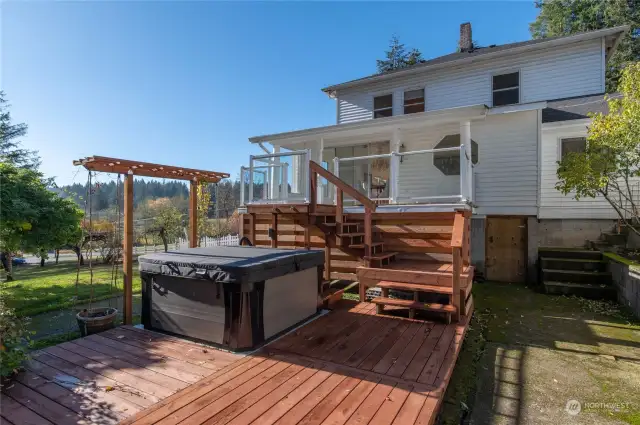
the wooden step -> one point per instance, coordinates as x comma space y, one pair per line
344, 276
381, 256
441, 308
344, 224
361, 245
415, 287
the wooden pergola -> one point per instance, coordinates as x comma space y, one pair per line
146, 169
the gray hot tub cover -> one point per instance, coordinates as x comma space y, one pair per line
231, 264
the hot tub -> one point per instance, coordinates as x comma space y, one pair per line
235, 296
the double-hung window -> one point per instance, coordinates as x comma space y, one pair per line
413, 101
383, 106
506, 89
572, 144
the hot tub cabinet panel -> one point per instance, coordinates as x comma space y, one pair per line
214, 295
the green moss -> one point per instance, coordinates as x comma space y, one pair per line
618, 259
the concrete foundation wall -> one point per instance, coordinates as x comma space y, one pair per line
478, 244
571, 233
627, 282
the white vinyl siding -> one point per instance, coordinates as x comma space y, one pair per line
506, 175
573, 70
553, 204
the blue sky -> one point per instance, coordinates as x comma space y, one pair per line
186, 83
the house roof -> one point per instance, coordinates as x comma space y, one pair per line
612, 34
576, 108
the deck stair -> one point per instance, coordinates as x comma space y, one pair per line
575, 272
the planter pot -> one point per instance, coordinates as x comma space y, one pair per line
96, 320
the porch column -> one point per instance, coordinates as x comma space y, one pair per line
274, 175
465, 166
316, 155
394, 166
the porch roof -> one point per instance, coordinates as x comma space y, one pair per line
464, 113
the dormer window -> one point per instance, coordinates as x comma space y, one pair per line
383, 106
413, 101
506, 89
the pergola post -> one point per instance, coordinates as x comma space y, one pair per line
193, 214
127, 261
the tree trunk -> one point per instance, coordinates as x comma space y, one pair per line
41, 261
57, 255
42, 255
78, 252
163, 235
5, 258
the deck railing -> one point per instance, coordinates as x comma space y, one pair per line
374, 186
284, 178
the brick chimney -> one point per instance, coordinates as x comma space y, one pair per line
466, 43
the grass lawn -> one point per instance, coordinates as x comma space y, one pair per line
38, 289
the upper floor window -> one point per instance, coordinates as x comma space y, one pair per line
506, 89
572, 144
383, 106
413, 101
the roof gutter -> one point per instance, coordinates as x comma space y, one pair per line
331, 90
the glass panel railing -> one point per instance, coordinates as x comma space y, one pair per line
429, 176
369, 175
277, 178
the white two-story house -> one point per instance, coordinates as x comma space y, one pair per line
514, 108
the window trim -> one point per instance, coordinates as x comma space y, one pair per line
569, 136
423, 103
505, 72
373, 104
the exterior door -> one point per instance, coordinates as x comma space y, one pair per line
506, 249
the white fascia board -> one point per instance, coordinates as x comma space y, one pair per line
473, 112
517, 108
566, 124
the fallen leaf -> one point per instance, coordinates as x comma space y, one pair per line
109, 388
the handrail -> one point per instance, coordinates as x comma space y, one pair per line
344, 186
408, 153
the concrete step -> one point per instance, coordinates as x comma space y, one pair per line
551, 252
576, 276
579, 264
614, 238
585, 290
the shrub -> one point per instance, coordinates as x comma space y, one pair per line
14, 340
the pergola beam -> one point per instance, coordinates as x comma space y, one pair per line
147, 169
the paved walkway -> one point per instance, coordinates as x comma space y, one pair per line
62, 321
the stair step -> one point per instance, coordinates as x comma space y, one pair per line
442, 308
415, 287
585, 290
576, 276
361, 245
551, 252
344, 224
381, 256
614, 238
577, 264
347, 235
344, 276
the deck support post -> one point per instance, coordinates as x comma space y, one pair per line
457, 270
193, 214
368, 238
274, 230
127, 261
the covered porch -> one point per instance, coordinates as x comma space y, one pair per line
419, 162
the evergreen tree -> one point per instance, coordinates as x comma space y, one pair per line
11, 150
397, 57
564, 17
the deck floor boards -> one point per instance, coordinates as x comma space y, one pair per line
350, 366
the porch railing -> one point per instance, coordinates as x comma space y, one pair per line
285, 178
390, 187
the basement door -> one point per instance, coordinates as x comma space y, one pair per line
506, 249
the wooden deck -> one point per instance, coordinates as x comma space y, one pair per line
347, 367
